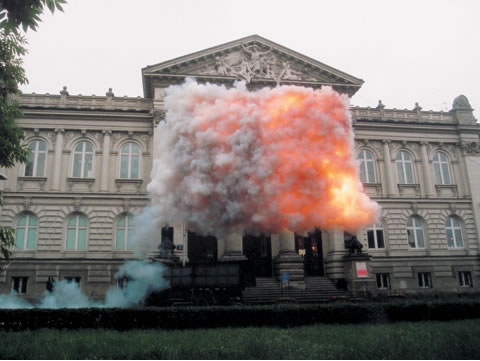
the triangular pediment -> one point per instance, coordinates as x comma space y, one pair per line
255, 60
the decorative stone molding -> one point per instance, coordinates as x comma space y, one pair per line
41, 181
27, 203
129, 184
158, 116
414, 207
72, 181
409, 189
453, 208
126, 205
470, 148
77, 203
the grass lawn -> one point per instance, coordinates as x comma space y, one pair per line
405, 340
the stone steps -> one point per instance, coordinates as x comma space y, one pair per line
317, 290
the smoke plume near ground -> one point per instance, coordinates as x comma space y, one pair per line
266, 161
142, 279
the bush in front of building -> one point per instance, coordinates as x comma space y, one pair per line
288, 315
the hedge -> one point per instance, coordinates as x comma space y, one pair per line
234, 316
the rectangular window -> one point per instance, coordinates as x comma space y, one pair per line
73, 279
135, 166
70, 238
465, 279
424, 280
19, 237
401, 175
19, 284
124, 166
40, 164
120, 239
88, 173
77, 165
438, 175
375, 238
29, 165
383, 281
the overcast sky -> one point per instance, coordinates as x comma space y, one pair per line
405, 51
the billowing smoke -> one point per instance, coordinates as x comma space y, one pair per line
139, 280
266, 161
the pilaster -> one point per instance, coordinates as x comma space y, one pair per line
57, 168
105, 159
234, 247
426, 170
387, 161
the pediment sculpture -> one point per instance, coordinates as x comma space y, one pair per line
253, 62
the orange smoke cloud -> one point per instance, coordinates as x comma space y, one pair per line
267, 161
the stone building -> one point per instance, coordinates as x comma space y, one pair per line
73, 202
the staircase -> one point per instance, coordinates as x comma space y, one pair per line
267, 291
317, 289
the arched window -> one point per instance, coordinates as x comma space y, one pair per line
35, 165
83, 160
375, 236
416, 237
453, 230
125, 232
367, 166
26, 232
130, 161
404, 168
77, 228
441, 169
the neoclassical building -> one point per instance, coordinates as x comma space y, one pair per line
73, 203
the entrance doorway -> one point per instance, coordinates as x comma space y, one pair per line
258, 250
202, 248
310, 248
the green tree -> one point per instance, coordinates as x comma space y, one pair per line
15, 16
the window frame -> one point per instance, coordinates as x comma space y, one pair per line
376, 227
130, 156
77, 229
383, 281
83, 154
35, 153
454, 228
465, 279
27, 227
414, 228
439, 162
22, 285
425, 280
363, 164
126, 228
403, 163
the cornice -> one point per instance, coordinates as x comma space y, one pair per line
84, 103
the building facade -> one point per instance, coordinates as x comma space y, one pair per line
73, 203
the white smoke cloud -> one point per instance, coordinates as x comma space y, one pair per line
266, 161
143, 278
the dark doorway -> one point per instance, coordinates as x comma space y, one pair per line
310, 248
202, 248
258, 250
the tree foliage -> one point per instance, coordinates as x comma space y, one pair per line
14, 16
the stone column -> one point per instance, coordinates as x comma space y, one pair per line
57, 167
105, 158
427, 171
287, 242
387, 161
234, 247
334, 262
288, 261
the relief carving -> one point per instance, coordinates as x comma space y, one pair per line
470, 148
252, 61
